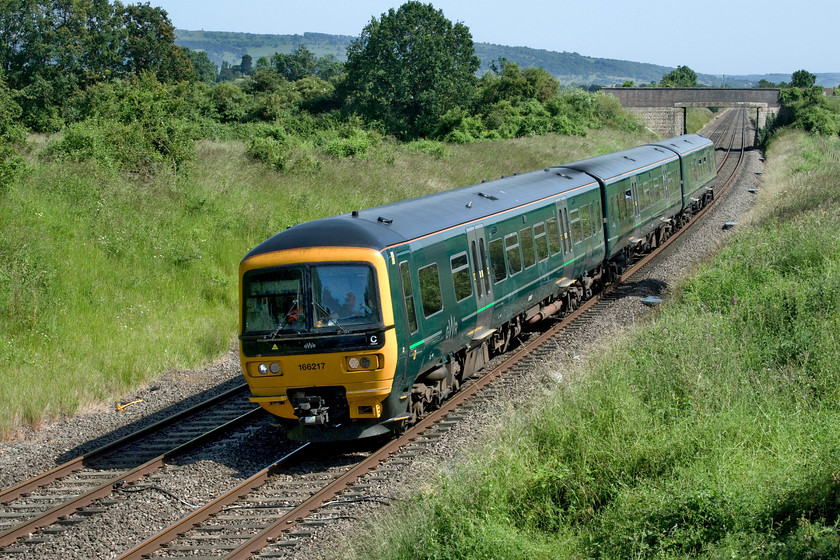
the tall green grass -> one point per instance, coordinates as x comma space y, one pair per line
110, 278
711, 432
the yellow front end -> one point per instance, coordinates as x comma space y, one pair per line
363, 374
365, 387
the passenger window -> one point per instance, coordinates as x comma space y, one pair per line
599, 221
553, 236
577, 232
540, 241
514, 258
408, 294
526, 238
586, 220
497, 260
430, 290
461, 276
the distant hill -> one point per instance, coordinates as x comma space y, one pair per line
568, 68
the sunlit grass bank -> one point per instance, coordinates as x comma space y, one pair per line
109, 279
711, 432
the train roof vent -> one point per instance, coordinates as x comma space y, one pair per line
563, 175
488, 196
658, 149
628, 157
386, 221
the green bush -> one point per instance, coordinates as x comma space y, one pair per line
136, 147
272, 151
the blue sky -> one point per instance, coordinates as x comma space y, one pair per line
709, 36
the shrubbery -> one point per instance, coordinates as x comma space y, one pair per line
137, 125
12, 137
805, 108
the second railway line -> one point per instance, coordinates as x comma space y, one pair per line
623, 312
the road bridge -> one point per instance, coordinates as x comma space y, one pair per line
663, 110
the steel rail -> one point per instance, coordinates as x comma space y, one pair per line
296, 515
48, 477
10, 536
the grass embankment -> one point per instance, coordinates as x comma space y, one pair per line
711, 432
110, 279
697, 118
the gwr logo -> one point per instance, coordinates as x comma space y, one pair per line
451, 328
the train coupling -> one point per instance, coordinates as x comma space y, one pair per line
311, 409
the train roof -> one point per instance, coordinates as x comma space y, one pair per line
399, 222
616, 166
684, 144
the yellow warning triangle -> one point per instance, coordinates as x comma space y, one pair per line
274, 347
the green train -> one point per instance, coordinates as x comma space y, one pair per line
355, 325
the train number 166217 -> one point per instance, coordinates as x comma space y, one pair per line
312, 366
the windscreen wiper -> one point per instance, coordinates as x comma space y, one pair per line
328, 314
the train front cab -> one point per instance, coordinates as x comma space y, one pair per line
317, 345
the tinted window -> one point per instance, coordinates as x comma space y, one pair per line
553, 236
512, 251
541, 241
497, 260
526, 238
430, 290
461, 276
599, 221
577, 231
409, 297
586, 220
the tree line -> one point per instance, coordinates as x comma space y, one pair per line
103, 71
110, 77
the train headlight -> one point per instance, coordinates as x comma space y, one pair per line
265, 369
364, 363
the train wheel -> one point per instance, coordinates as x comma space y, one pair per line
417, 410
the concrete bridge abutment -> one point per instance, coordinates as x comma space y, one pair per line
663, 110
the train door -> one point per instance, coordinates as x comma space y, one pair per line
414, 340
566, 242
481, 274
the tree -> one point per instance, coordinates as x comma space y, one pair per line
683, 76
149, 43
409, 68
509, 82
297, 65
203, 68
762, 83
246, 66
802, 79
628, 83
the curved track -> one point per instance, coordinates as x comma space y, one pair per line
52, 496
271, 509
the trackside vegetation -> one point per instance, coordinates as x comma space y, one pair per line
710, 432
113, 273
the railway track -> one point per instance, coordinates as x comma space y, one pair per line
266, 514
46, 504
289, 499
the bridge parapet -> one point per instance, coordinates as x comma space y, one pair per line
663, 109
